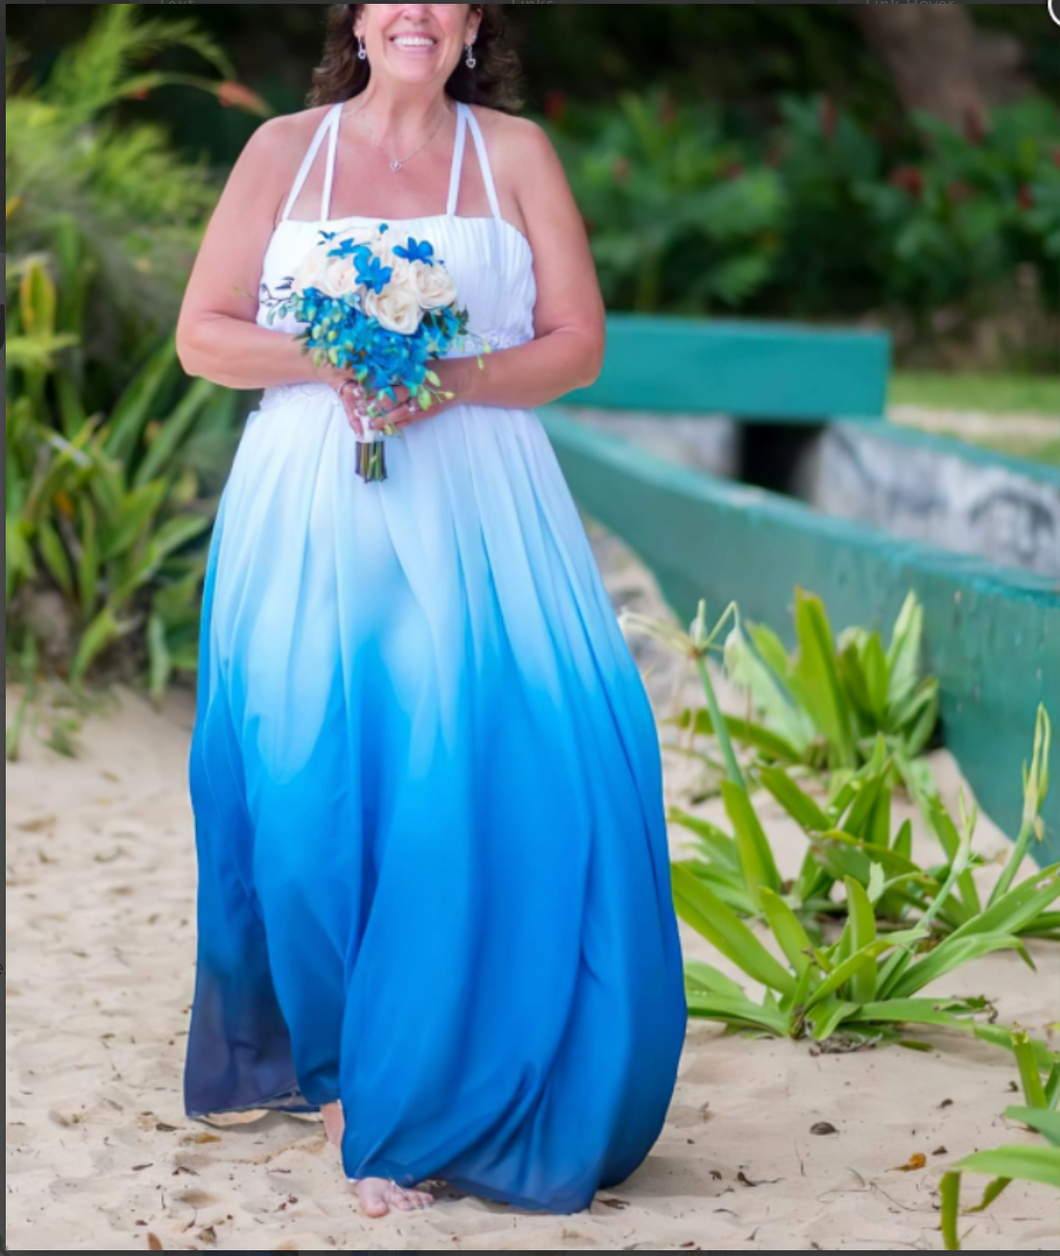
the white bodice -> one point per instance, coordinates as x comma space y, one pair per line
490, 260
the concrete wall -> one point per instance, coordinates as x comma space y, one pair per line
939, 492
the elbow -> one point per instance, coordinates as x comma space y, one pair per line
189, 348
592, 363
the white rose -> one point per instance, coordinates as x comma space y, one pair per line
339, 277
397, 309
435, 285
402, 275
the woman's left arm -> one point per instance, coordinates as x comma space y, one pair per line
568, 348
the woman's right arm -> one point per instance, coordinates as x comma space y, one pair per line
217, 336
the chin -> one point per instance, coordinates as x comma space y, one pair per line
414, 75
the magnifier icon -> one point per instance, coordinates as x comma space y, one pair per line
1054, 10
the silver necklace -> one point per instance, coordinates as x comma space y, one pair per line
397, 163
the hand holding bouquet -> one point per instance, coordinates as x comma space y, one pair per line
381, 312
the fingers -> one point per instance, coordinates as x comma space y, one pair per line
400, 416
355, 403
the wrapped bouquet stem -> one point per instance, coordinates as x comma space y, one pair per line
380, 312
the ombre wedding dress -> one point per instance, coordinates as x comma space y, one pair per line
433, 870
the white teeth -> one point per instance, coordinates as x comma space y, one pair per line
411, 41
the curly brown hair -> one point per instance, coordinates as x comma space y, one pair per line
494, 82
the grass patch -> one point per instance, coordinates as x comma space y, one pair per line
989, 394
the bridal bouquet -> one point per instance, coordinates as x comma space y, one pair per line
381, 312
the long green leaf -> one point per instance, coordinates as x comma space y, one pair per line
949, 955
903, 655
88, 566
740, 1013
133, 410
863, 983
850, 966
136, 512
910, 1012
708, 915
1000, 1036
707, 977
819, 684
175, 533
1030, 1078
792, 938
174, 431
950, 1192
950, 839
1018, 1164
859, 820
1046, 1123
795, 801
756, 855
718, 845
55, 557
729, 886
99, 634
828, 1016
159, 658
765, 740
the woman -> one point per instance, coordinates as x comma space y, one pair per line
434, 895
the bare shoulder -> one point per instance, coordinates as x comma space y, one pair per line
282, 140
513, 138
521, 153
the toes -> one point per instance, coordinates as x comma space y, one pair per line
409, 1200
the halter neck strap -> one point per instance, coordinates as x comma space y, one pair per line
483, 161
466, 120
458, 160
329, 125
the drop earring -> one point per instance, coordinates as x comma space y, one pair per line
362, 51
471, 62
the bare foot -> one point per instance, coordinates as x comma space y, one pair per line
379, 1195
334, 1122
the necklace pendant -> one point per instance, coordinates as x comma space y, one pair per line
395, 166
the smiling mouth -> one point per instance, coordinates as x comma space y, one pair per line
414, 43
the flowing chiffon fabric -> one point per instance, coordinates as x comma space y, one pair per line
434, 879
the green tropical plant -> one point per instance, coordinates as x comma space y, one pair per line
113, 458
831, 699
103, 511
821, 214
1039, 1165
849, 830
902, 926
824, 707
113, 195
677, 220
867, 983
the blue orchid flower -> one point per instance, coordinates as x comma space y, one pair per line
347, 248
372, 273
423, 251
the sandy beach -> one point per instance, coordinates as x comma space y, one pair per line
100, 956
